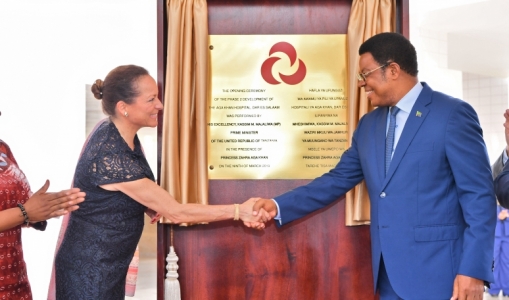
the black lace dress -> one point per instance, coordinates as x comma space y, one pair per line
102, 235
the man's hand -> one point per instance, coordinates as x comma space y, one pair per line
251, 219
467, 288
259, 210
267, 205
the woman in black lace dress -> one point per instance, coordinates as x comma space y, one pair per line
102, 235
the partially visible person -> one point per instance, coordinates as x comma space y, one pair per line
20, 208
101, 237
502, 180
501, 250
425, 164
501, 255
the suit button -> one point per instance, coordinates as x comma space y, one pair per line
382, 195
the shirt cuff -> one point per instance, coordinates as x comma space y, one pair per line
278, 216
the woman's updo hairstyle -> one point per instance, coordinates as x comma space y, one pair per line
119, 84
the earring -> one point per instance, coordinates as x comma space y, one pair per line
126, 114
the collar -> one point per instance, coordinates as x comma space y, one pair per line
407, 102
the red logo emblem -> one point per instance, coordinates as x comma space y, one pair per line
267, 65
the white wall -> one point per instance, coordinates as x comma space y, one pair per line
431, 47
49, 50
488, 95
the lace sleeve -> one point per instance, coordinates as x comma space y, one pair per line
117, 167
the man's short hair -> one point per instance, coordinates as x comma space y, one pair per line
392, 47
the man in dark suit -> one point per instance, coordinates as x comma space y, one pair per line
502, 180
500, 172
426, 167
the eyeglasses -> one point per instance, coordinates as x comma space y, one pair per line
363, 76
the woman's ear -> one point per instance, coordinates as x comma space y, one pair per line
121, 108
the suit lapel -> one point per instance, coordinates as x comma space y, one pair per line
381, 126
415, 119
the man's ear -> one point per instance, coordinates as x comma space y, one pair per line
394, 70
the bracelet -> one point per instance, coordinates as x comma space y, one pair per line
24, 212
237, 212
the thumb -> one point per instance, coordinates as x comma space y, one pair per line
455, 291
44, 188
256, 207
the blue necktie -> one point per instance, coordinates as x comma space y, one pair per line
389, 139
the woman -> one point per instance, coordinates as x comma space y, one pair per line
18, 208
101, 237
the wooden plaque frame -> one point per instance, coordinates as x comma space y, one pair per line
316, 257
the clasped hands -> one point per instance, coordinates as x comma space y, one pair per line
255, 212
43, 205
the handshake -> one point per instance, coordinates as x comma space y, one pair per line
255, 212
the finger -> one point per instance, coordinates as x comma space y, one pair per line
70, 209
258, 218
247, 224
67, 205
264, 216
267, 215
44, 188
259, 225
455, 290
63, 201
73, 202
70, 194
79, 199
72, 191
58, 213
75, 197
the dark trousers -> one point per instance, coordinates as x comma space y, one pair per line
384, 285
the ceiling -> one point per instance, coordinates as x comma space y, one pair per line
477, 34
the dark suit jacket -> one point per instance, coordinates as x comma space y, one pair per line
433, 215
502, 186
498, 166
502, 228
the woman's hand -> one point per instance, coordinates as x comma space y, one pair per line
42, 206
250, 220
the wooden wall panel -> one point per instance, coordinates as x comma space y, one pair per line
278, 16
316, 257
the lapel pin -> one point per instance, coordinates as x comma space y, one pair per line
418, 114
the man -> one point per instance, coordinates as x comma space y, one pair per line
501, 251
502, 180
501, 269
433, 206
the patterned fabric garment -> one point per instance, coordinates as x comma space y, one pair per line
101, 237
14, 189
